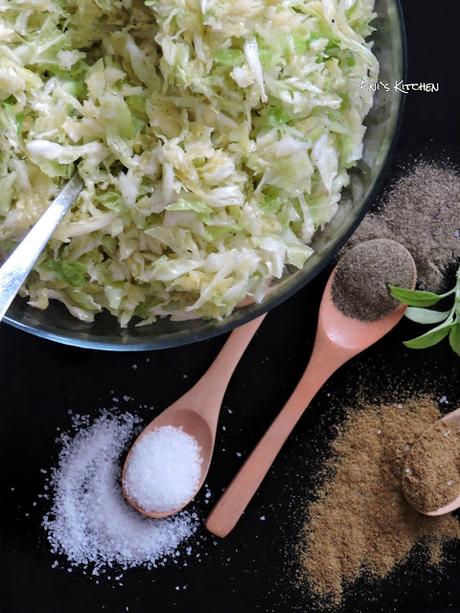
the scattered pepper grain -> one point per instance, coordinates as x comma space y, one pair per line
361, 522
422, 211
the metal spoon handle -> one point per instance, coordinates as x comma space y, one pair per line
15, 269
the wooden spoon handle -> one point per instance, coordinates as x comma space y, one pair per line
237, 496
208, 392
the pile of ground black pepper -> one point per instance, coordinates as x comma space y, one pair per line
432, 474
422, 211
360, 286
361, 522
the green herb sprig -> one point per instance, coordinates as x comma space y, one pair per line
448, 322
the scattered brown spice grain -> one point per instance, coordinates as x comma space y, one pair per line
360, 287
361, 521
422, 211
432, 474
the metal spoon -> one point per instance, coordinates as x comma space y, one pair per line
18, 265
451, 420
197, 411
338, 339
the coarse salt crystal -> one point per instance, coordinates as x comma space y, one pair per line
164, 469
90, 522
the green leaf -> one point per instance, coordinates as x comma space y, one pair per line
433, 337
277, 116
454, 337
200, 208
414, 297
271, 204
19, 121
71, 272
111, 200
426, 316
229, 57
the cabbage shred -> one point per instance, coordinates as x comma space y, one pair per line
214, 138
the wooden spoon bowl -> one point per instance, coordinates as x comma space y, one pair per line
451, 420
197, 412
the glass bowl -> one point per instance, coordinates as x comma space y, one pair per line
55, 323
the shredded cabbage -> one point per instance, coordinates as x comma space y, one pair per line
214, 138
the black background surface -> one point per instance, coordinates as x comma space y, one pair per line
254, 568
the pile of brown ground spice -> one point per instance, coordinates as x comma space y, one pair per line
360, 287
422, 211
432, 474
361, 521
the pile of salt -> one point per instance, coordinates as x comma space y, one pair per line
164, 470
90, 522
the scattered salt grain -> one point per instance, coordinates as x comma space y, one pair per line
90, 522
164, 469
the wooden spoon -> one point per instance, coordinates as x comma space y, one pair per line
451, 420
338, 338
197, 411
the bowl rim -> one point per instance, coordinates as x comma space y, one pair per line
176, 339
